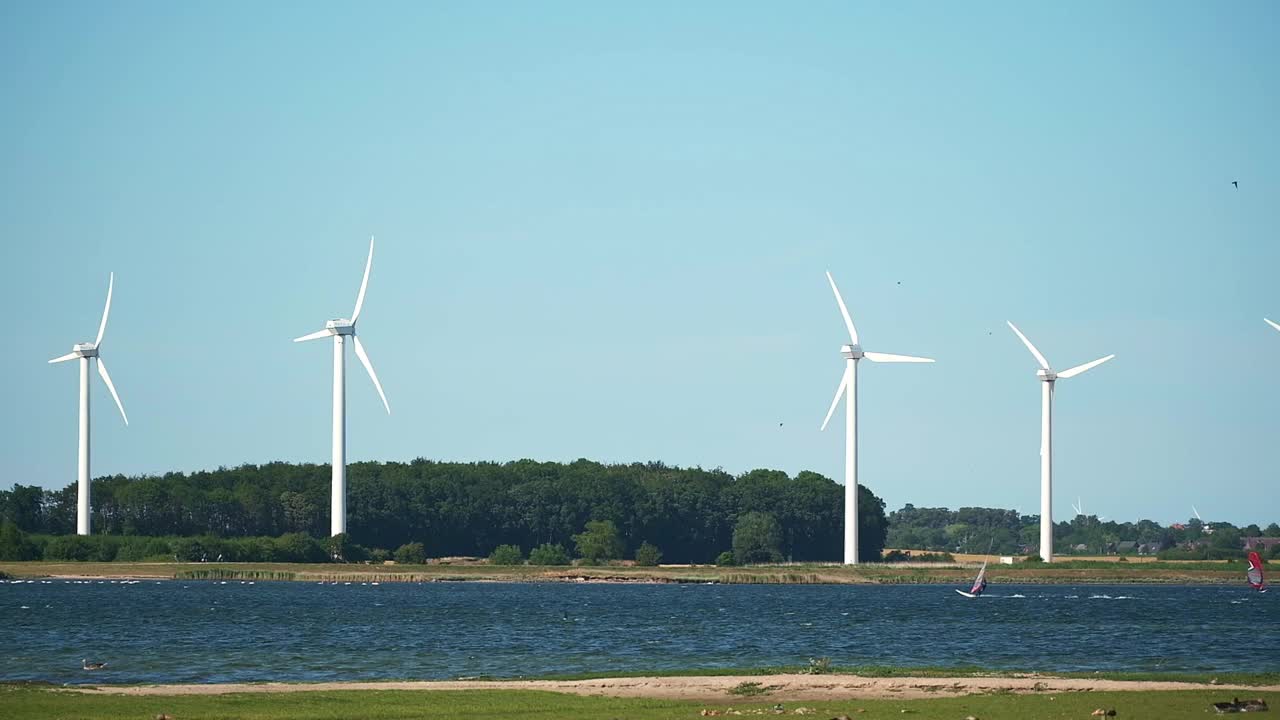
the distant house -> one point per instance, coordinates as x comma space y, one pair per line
1261, 544
1148, 548
1125, 547
1080, 548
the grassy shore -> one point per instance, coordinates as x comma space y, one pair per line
1078, 572
21, 703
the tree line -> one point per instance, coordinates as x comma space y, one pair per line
466, 509
1006, 532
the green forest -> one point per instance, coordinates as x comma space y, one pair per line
546, 512
689, 515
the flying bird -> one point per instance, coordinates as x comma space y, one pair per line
1235, 184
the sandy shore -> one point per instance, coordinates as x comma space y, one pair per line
709, 688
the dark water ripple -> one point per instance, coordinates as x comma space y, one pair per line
214, 632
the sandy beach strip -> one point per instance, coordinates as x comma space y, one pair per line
716, 687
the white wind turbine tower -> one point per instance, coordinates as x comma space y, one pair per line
85, 352
340, 329
852, 353
1048, 377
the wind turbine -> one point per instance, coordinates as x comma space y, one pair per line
852, 353
85, 352
340, 329
1208, 530
1048, 377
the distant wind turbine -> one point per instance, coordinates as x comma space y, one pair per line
1048, 377
85, 352
852, 353
340, 329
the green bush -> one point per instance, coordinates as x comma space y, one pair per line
187, 549
135, 549
506, 555
341, 548
378, 555
1033, 558
599, 541
299, 547
648, 554
548, 554
757, 538
725, 559
69, 547
15, 545
411, 554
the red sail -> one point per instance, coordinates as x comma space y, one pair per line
1255, 572
980, 583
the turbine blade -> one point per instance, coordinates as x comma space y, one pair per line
1072, 372
64, 358
363, 284
313, 336
889, 358
102, 370
364, 359
848, 321
102, 327
1044, 364
844, 383
1272, 323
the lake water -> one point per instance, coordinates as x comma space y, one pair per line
213, 632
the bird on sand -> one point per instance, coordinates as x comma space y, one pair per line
92, 665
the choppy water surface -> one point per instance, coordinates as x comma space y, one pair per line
218, 632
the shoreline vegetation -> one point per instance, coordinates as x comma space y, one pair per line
1064, 573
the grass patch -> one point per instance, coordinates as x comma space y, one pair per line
27, 703
749, 689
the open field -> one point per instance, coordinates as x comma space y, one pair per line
640, 698
1074, 572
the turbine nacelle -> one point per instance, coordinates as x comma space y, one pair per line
340, 326
90, 350
851, 352
1047, 375
85, 350
344, 327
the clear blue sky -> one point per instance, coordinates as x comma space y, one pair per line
602, 231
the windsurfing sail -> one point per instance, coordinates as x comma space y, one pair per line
980, 582
1255, 572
